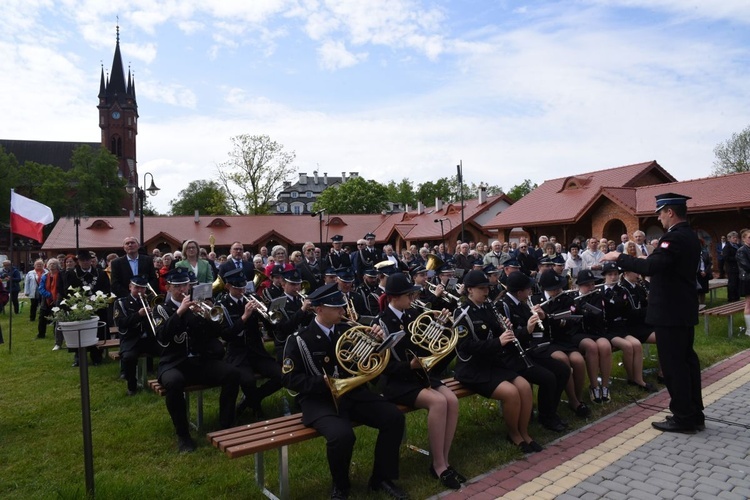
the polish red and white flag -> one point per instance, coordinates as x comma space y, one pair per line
28, 217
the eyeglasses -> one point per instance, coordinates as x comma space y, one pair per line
309, 250
521, 247
360, 244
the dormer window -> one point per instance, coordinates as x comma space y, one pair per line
294, 194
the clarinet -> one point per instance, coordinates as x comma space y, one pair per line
505, 322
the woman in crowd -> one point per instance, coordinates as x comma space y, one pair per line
51, 291
31, 286
406, 383
190, 261
743, 263
279, 255
486, 356
167, 263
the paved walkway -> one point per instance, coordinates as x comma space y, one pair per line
621, 456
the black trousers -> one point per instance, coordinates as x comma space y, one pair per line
33, 307
265, 367
129, 358
550, 375
373, 411
682, 374
733, 286
194, 371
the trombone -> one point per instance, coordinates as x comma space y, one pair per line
157, 299
149, 316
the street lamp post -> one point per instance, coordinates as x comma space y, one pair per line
132, 187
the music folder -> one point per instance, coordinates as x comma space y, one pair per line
391, 340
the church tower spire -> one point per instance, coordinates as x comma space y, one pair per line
118, 116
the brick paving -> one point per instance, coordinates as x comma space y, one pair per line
621, 456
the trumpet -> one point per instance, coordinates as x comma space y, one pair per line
351, 313
358, 352
149, 317
433, 288
272, 317
208, 312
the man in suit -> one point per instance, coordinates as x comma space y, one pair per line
310, 268
732, 269
129, 265
337, 258
673, 311
720, 255
623, 239
237, 260
369, 254
309, 360
644, 249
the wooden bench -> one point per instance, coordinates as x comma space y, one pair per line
724, 310
141, 374
158, 389
279, 433
713, 286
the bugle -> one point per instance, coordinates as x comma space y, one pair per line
358, 352
272, 317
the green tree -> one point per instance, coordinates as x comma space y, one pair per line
209, 197
428, 191
403, 192
46, 184
520, 190
8, 175
98, 189
733, 155
355, 196
255, 173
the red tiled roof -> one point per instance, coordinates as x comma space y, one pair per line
550, 203
709, 194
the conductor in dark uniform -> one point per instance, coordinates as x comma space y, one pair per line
337, 258
673, 311
136, 334
310, 358
191, 354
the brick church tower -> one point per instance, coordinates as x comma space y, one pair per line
118, 118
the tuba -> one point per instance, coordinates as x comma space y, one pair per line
258, 278
433, 262
358, 352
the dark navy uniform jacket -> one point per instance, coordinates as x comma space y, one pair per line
673, 296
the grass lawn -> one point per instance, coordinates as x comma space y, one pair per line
41, 448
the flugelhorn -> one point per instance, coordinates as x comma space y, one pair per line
272, 317
357, 351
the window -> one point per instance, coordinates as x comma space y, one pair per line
294, 194
297, 209
281, 207
308, 194
310, 207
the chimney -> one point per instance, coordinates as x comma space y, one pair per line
353, 174
407, 208
343, 176
287, 184
420, 208
197, 218
325, 178
315, 176
482, 193
438, 204
303, 177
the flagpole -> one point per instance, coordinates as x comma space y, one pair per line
10, 302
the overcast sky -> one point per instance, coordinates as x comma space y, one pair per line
390, 88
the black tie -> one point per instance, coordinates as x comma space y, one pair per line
643, 249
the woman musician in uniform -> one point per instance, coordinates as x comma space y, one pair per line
489, 360
406, 382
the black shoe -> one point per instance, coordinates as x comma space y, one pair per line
461, 478
554, 424
185, 444
40, 337
449, 478
339, 493
700, 426
669, 425
648, 387
536, 446
660, 379
123, 376
523, 445
583, 411
132, 392
387, 487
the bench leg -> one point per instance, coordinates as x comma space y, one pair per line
731, 325
705, 323
140, 373
284, 493
199, 411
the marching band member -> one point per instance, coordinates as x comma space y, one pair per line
309, 359
337, 258
245, 349
487, 358
191, 354
275, 289
617, 307
563, 335
406, 383
136, 334
550, 374
297, 313
593, 341
367, 296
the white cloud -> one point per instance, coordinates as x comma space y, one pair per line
167, 93
334, 55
